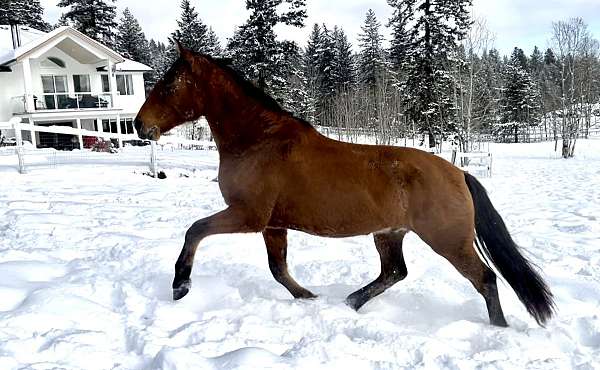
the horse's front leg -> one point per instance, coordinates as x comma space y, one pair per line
228, 221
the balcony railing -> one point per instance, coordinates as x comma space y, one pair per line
63, 101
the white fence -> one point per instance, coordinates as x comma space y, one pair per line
475, 162
29, 156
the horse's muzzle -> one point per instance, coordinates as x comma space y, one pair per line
146, 134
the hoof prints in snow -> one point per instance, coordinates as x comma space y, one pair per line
86, 265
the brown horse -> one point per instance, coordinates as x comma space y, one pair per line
277, 172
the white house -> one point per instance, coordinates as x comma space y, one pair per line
65, 78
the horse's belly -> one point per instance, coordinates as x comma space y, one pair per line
340, 215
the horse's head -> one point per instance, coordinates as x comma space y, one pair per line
174, 99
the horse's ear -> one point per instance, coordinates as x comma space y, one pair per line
183, 52
180, 48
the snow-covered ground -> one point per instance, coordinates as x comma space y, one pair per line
87, 254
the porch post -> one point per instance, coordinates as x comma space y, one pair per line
33, 138
28, 85
119, 138
112, 82
78, 120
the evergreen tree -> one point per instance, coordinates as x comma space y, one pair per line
255, 50
493, 82
95, 18
62, 21
131, 41
519, 56
312, 52
326, 64
550, 57
438, 26
312, 73
371, 58
519, 104
402, 38
536, 61
295, 99
132, 44
160, 62
343, 63
23, 12
191, 32
213, 45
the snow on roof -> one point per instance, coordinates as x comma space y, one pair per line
32, 39
28, 35
132, 66
129, 66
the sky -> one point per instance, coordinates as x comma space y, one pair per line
522, 23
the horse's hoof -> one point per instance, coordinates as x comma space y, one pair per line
182, 289
305, 295
354, 303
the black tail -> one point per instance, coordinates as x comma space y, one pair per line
495, 243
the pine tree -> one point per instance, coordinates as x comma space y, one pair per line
520, 98
536, 61
493, 82
62, 21
371, 60
438, 26
295, 99
191, 32
159, 62
550, 57
23, 12
402, 37
519, 56
213, 45
95, 18
312, 73
255, 50
343, 64
131, 41
326, 65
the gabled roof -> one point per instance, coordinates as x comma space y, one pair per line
31, 44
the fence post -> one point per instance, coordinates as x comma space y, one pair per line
19, 148
153, 166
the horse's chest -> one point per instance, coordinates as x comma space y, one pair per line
237, 181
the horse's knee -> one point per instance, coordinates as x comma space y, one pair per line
196, 231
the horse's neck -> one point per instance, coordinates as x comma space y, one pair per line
236, 121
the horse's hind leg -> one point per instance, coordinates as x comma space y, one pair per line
461, 253
276, 242
393, 268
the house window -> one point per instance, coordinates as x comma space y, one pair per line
127, 126
124, 84
82, 83
105, 83
109, 125
56, 92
